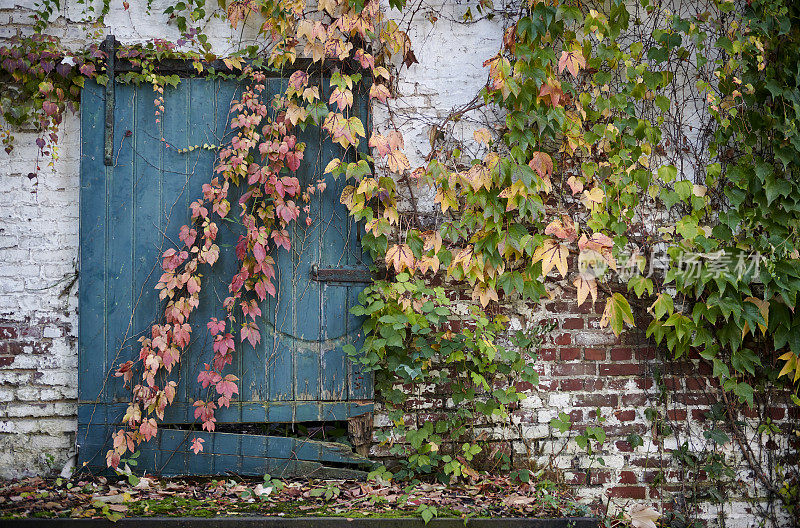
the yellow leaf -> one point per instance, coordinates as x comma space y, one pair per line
551, 253
585, 286
296, 113
332, 165
433, 240
367, 186
763, 307
398, 162
484, 294
593, 198
482, 135
346, 198
790, 365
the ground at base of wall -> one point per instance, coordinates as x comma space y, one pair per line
114, 499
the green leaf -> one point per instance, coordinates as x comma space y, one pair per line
717, 436
667, 173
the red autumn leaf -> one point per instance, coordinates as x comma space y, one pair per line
211, 254
208, 377
170, 357
49, 107
264, 287
181, 334
291, 185
125, 371
563, 229
227, 387
215, 326
148, 429
282, 239
188, 235
193, 285
250, 333
293, 159
259, 252
553, 93
251, 309
223, 343
542, 163
112, 459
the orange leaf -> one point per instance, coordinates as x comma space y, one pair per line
542, 163
575, 184
572, 61
400, 256
380, 143
563, 229
552, 91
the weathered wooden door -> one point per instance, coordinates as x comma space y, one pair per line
132, 206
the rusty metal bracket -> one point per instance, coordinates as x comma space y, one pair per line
351, 275
109, 46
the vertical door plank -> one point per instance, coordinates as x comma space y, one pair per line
92, 331
120, 278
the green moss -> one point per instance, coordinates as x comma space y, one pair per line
186, 507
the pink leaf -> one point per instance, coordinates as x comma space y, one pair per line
197, 445
215, 326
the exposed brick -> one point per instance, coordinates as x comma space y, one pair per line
621, 354
563, 339
776, 413
625, 416
581, 384
11, 348
596, 400
8, 332
624, 445
6, 361
620, 369
548, 354
628, 492
573, 323
634, 400
570, 353
676, 414
628, 477
573, 369
594, 354
695, 383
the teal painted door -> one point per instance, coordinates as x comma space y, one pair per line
131, 212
